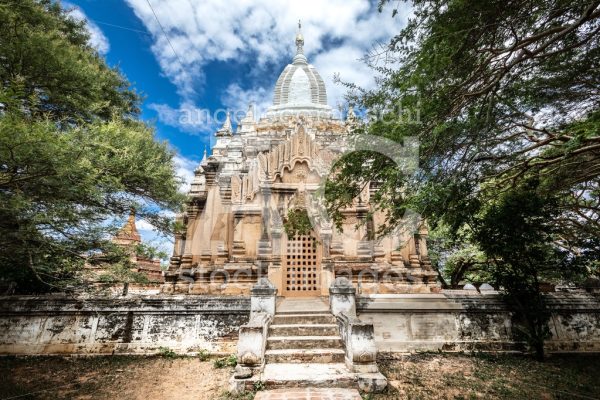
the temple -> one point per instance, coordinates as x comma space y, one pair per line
268, 171
130, 240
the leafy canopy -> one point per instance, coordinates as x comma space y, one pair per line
73, 155
498, 94
503, 98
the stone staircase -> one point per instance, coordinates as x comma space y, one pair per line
304, 338
304, 348
299, 344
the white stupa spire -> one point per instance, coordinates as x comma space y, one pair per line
299, 58
226, 128
249, 117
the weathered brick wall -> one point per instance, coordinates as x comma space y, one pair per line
464, 321
63, 325
450, 321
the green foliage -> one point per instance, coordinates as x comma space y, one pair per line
49, 70
145, 250
517, 234
73, 154
297, 222
457, 257
509, 130
495, 88
166, 352
203, 355
229, 361
258, 386
219, 363
122, 272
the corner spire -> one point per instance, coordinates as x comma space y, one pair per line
250, 113
226, 128
299, 58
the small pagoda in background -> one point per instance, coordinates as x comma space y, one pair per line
129, 238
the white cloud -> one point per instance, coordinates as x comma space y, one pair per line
262, 32
97, 38
185, 170
195, 120
188, 117
353, 71
237, 100
143, 225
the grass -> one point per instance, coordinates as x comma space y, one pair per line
203, 355
166, 352
248, 395
230, 361
484, 376
241, 396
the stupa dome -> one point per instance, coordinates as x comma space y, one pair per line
300, 89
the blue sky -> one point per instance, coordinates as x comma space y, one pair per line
205, 55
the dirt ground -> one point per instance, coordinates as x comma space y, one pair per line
424, 376
115, 378
455, 376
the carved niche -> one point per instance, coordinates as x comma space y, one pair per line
301, 173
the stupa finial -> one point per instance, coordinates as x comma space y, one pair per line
299, 58
299, 40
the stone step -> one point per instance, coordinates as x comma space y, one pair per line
309, 393
304, 342
300, 356
302, 306
286, 375
310, 375
289, 319
303, 330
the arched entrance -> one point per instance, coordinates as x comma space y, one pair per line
302, 266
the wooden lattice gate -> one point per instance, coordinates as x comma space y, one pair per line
302, 275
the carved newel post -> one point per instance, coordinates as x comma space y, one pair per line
253, 336
342, 297
358, 336
263, 296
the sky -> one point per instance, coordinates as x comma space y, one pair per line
193, 59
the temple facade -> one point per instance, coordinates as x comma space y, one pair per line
236, 223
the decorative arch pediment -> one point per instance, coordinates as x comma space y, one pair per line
300, 149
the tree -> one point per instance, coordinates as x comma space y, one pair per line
457, 257
150, 252
73, 155
504, 91
517, 234
297, 222
507, 94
